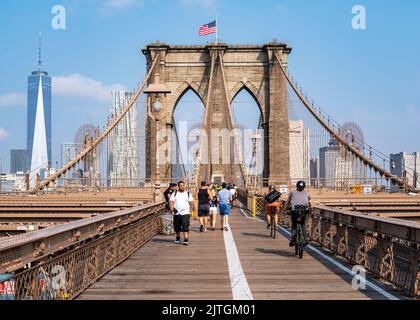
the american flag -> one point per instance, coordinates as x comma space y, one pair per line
207, 28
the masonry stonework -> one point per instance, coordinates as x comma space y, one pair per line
250, 67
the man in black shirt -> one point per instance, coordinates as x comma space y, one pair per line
168, 192
167, 218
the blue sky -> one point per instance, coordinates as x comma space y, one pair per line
370, 76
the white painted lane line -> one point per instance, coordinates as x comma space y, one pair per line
378, 289
238, 282
344, 268
246, 216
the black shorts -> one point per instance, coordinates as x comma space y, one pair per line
182, 223
203, 210
294, 217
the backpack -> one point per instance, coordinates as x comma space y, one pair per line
272, 196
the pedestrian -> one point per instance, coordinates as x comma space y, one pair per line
167, 219
181, 204
203, 205
234, 195
224, 198
168, 192
213, 207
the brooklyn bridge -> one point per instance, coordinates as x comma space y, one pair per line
87, 238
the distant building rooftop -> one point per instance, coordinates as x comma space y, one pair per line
37, 73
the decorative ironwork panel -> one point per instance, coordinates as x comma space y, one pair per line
70, 272
404, 267
375, 249
354, 241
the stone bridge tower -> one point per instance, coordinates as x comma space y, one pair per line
250, 67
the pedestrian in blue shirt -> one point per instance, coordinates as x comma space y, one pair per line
224, 198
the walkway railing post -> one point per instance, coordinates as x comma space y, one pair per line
254, 206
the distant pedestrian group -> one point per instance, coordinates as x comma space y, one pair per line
212, 199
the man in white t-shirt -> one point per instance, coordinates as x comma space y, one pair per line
180, 203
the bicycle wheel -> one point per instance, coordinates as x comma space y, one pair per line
274, 227
271, 222
299, 242
300, 251
271, 226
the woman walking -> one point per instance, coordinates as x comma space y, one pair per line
213, 207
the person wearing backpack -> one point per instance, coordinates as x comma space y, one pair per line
272, 202
181, 203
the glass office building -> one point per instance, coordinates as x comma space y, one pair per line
18, 161
39, 121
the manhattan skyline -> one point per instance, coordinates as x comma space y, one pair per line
366, 76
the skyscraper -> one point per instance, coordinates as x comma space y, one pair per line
299, 151
18, 161
39, 120
328, 157
123, 156
406, 164
339, 168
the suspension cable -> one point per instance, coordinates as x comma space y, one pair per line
232, 122
331, 130
98, 140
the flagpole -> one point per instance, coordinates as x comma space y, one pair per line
217, 29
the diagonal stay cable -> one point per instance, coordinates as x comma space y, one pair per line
98, 140
335, 134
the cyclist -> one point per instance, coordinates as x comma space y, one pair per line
298, 197
272, 206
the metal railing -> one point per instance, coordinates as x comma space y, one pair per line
61, 262
348, 185
388, 248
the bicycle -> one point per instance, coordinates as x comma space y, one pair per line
273, 225
300, 211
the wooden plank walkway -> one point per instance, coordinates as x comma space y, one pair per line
164, 270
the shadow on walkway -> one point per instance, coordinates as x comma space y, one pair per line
276, 252
259, 235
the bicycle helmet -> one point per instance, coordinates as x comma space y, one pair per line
300, 185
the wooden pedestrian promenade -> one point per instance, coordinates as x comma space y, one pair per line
256, 267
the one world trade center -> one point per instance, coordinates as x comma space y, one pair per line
39, 122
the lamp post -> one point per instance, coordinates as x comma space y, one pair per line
156, 98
